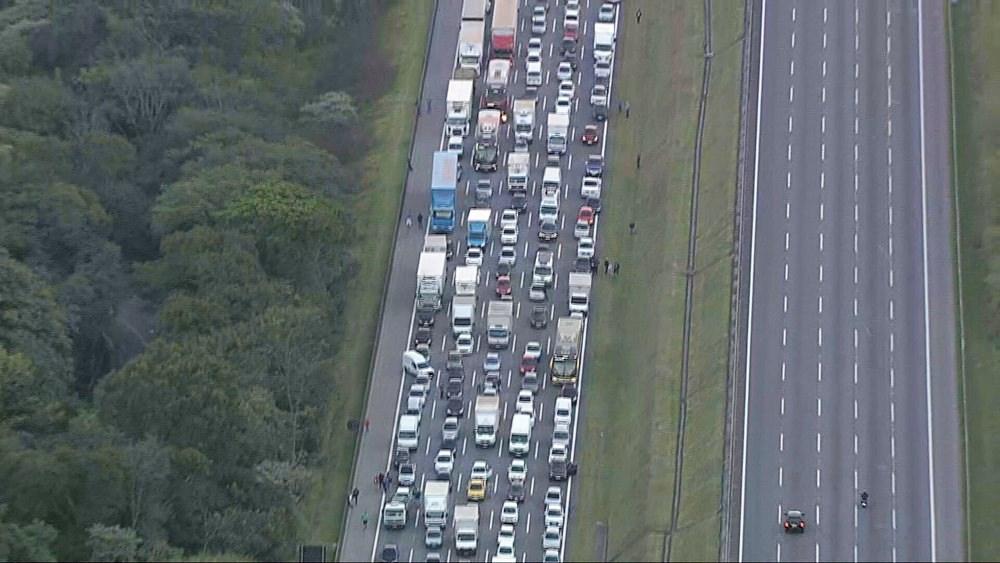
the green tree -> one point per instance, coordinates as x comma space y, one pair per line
31, 542
113, 543
37, 103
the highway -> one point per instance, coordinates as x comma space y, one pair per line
849, 380
389, 386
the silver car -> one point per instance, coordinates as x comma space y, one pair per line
538, 23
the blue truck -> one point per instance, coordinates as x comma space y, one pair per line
479, 227
444, 179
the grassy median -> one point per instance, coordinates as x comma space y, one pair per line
975, 34
633, 370
403, 34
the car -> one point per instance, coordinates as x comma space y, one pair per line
390, 553
444, 462
508, 255
567, 89
435, 557
533, 349
491, 383
538, 22
491, 362
517, 470
552, 538
558, 470
590, 135
456, 407
585, 247
569, 390
418, 394
602, 69
503, 269
474, 256
481, 470
581, 229
599, 95
454, 388
535, 46
508, 218
407, 474
557, 452
595, 165
506, 534
571, 21
530, 382
433, 537
554, 515
455, 364
600, 113
594, 203
515, 491
505, 554
551, 556
484, 192
539, 317
422, 339
519, 201
542, 271
564, 105
562, 413
425, 316
795, 522
525, 402
476, 490
509, 512
533, 61
503, 287
528, 363
573, 7
548, 230
508, 234
586, 215
537, 293
564, 71
561, 435
450, 430
456, 145
582, 265
606, 13
464, 343
553, 495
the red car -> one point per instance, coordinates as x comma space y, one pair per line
503, 287
586, 215
590, 135
529, 363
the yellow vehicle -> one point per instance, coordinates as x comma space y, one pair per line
477, 489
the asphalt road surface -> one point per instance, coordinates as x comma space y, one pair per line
397, 324
850, 378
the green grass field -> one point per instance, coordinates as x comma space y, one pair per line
632, 378
976, 49
403, 34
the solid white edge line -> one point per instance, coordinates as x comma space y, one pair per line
927, 321
753, 245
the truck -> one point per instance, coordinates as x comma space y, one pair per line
579, 292
459, 102
499, 320
466, 280
444, 181
566, 352
474, 10
467, 528
394, 513
487, 126
524, 119
604, 42
438, 243
436, 503
470, 45
479, 225
486, 154
558, 133
487, 419
504, 29
432, 268
495, 96
463, 314
518, 166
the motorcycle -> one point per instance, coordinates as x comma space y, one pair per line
864, 500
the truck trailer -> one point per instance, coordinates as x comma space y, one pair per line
499, 320
474, 10
467, 529
444, 182
558, 133
487, 419
524, 120
579, 292
459, 102
518, 167
503, 36
431, 271
470, 45
566, 352
436, 503
466, 280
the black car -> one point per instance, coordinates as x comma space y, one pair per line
558, 471
569, 390
600, 113
425, 316
456, 407
455, 367
539, 317
594, 203
484, 158
454, 387
519, 201
493, 378
516, 491
595, 165
390, 553
548, 230
422, 336
503, 269
582, 265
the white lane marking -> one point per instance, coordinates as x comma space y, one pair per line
781, 476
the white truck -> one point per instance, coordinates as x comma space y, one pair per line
436, 503
518, 167
487, 419
463, 314
579, 292
431, 271
470, 45
524, 120
437, 243
394, 513
604, 42
499, 319
466, 280
474, 10
558, 133
467, 529
459, 101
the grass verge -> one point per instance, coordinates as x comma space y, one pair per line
630, 423
402, 33
975, 34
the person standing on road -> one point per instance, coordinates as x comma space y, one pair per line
631, 227
607, 266
638, 161
638, 16
420, 220
354, 496
364, 520
618, 266
366, 425
409, 221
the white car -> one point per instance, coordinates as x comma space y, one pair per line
581, 229
506, 535
481, 470
585, 247
553, 495
563, 105
505, 554
508, 234
538, 23
550, 556
518, 470
509, 512
573, 9
444, 462
474, 256
572, 19
534, 59
508, 217
567, 89
464, 343
602, 69
525, 402
455, 145
508, 255
565, 71
535, 46
590, 187
557, 453
533, 349
607, 13
418, 392
554, 515
563, 411
551, 539
599, 95
560, 435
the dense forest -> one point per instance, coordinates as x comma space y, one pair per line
175, 225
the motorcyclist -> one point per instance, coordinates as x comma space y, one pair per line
864, 499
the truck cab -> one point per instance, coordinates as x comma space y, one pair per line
479, 226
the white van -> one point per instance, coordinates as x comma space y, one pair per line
519, 443
549, 208
551, 179
408, 435
414, 363
563, 411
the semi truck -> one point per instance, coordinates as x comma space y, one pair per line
470, 45
459, 102
524, 120
467, 529
495, 97
431, 271
444, 180
487, 419
558, 133
518, 166
579, 292
474, 10
499, 320
436, 503
463, 314
504, 30
486, 154
466, 280
479, 226
566, 352
604, 42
